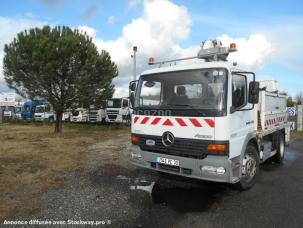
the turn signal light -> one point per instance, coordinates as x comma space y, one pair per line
233, 46
134, 139
216, 147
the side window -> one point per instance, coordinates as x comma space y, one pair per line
239, 90
125, 104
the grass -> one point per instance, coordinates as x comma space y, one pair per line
296, 134
33, 158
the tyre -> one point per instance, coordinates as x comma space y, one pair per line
250, 168
51, 119
279, 156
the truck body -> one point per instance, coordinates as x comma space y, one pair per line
207, 120
118, 110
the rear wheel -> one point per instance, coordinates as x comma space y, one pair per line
279, 156
250, 168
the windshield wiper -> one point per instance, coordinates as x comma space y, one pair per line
190, 106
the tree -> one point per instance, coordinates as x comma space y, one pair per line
299, 98
59, 64
290, 102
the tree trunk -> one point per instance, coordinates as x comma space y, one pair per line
58, 125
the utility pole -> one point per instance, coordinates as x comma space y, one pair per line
134, 61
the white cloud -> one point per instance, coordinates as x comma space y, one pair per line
252, 52
133, 3
287, 40
153, 34
88, 30
111, 20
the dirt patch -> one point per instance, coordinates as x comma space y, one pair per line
33, 160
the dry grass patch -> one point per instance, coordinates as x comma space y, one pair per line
296, 134
33, 159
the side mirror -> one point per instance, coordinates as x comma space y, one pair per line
132, 98
253, 94
132, 86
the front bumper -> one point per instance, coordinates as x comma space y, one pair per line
189, 167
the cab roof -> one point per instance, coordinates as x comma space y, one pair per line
198, 65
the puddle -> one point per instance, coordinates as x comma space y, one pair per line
290, 156
177, 195
191, 198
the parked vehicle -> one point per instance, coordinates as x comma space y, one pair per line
44, 113
79, 115
8, 112
96, 115
18, 110
29, 108
67, 115
118, 110
207, 120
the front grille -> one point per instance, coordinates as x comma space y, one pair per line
169, 168
193, 148
92, 118
112, 117
110, 112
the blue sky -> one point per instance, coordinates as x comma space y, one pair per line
275, 28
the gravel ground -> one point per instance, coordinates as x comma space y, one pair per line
112, 190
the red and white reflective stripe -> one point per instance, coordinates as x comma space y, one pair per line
275, 120
181, 122
174, 121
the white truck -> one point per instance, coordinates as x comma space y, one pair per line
207, 120
79, 115
96, 115
8, 112
118, 110
44, 113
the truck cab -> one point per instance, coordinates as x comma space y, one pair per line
118, 110
96, 115
8, 112
205, 120
44, 112
79, 115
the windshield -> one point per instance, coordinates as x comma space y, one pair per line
113, 103
202, 89
40, 109
18, 109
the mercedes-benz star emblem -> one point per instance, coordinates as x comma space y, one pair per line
168, 138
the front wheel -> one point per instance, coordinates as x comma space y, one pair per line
250, 168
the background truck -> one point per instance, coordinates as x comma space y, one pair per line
8, 112
96, 115
79, 115
207, 120
44, 112
118, 110
29, 108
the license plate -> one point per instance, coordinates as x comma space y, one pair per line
168, 161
